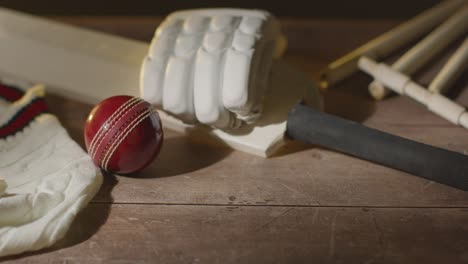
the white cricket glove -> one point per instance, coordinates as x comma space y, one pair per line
211, 65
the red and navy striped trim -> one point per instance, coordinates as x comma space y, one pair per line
24, 116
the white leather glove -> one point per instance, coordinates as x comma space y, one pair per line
211, 66
46, 177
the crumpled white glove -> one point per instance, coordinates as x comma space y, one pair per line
46, 177
211, 65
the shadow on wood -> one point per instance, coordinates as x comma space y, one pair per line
350, 99
180, 155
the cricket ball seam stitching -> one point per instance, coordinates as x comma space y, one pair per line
121, 136
100, 132
115, 135
101, 140
112, 118
126, 132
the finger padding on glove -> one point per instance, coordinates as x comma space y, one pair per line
211, 66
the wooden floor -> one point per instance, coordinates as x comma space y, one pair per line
207, 204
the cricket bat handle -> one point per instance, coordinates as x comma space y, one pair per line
436, 164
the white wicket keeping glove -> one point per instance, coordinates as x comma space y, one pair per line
211, 65
46, 178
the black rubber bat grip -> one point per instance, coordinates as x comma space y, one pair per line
318, 128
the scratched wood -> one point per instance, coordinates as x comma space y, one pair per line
200, 203
260, 234
207, 174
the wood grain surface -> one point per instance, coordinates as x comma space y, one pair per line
201, 203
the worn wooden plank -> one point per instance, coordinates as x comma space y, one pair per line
208, 175
196, 173
220, 234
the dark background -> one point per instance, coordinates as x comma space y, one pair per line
318, 8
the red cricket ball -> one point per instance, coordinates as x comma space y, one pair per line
123, 134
